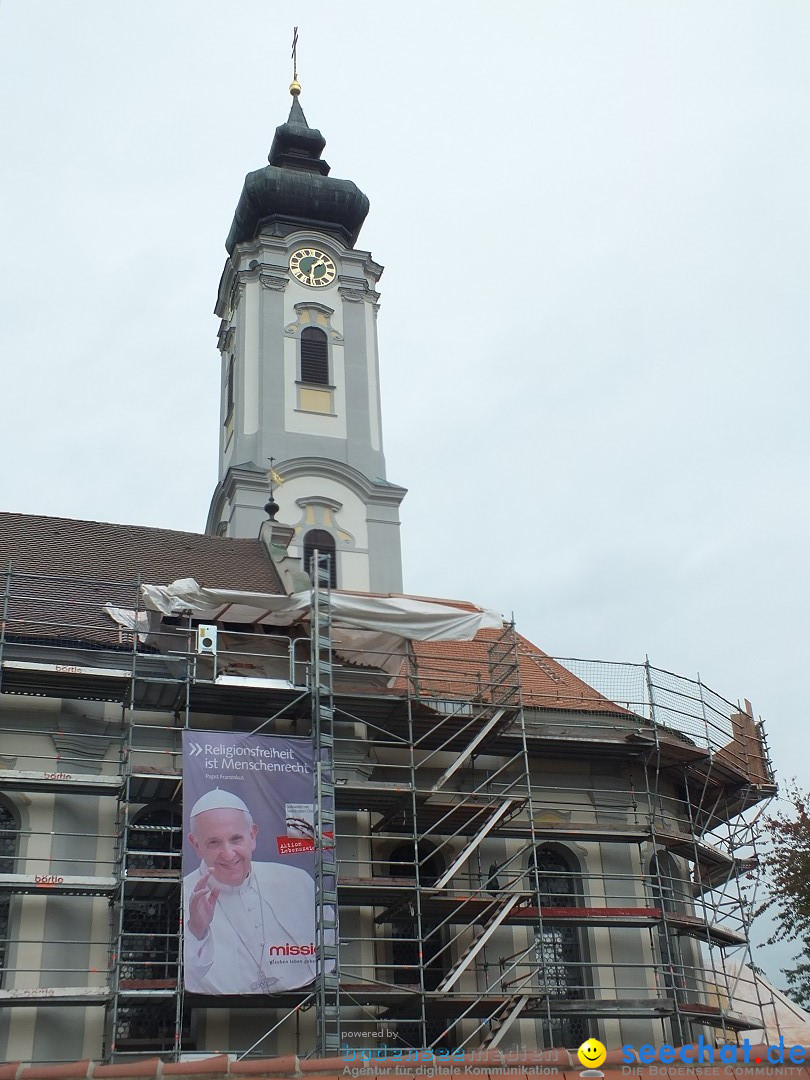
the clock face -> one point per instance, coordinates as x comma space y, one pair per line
312, 267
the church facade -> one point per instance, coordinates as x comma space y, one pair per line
512, 851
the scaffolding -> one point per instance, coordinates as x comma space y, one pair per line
512, 849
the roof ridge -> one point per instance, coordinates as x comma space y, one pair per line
54, 519
540, 658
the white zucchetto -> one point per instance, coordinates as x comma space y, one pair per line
217, 800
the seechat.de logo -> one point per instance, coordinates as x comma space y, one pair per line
705, 1054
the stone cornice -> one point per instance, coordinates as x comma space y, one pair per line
371, 491
265, 251
232, 275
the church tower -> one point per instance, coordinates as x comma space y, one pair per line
300, 371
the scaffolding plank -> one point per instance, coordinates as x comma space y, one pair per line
151, 785
79, 670
75, 783
709, 878
253, 682
55, 995
71, 884
693, 848
593, 831
64, 680
715, 933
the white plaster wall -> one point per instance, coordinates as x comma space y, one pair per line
21, 1034
251, 359
375, 421
353, 569
37, 851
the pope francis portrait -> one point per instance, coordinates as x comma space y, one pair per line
249, 926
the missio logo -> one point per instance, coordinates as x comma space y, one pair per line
288, 949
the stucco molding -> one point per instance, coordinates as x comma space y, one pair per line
274, 281
294, 329
352, 295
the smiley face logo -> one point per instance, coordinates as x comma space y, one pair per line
592, 1054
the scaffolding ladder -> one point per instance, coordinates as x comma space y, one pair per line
327, 978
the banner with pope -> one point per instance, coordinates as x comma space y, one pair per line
248, 863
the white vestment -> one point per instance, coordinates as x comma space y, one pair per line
261, 938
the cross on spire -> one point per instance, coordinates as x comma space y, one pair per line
295, 85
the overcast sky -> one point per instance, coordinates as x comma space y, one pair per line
595, 322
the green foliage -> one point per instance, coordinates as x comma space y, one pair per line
787, 866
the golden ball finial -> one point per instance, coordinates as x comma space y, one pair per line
295, 88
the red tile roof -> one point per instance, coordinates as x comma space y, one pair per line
490, 1064
82, 565
103, 551
461, 669
91, 563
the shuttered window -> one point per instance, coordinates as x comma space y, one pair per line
314, 357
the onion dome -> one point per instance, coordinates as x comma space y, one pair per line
295, 190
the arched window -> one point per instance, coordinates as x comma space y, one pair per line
558, 885
9, 837
314, 357
324, 543
559, 951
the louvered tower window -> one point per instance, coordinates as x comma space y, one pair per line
314, 357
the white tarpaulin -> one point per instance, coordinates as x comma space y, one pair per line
369, 630
408, 617
145, 622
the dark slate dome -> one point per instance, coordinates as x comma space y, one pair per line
295, 190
